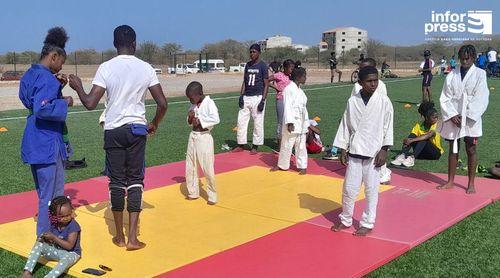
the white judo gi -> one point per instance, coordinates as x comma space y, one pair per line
200, 150
363, 131
385, 173
467, 98
295, 112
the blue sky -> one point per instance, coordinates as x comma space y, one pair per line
90, 23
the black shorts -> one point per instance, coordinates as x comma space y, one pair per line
426, 81
333, 67
468, 140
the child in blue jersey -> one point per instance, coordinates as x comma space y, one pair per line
43, 146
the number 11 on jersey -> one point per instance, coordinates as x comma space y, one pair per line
251, 79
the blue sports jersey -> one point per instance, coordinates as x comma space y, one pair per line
254, 78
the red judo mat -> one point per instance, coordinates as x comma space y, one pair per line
408, 214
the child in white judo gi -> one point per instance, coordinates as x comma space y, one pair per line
464, 99
385, 173
295, 124
202, 116
364, 136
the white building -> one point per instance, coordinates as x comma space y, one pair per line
345, 38
275, 41
301, 47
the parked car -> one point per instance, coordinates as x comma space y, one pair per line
190, 68
12, 75
238, 68
213, 65
157, 70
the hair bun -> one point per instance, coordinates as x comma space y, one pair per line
56, 36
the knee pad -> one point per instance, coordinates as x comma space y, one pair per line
134, 198
117, 198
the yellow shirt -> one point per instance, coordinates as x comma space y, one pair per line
419, 130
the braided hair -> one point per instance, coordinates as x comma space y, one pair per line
54, 41
467, 50
55, 208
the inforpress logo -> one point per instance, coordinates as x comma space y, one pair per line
480, 22
475, 22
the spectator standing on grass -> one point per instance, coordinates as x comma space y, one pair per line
464, 99
492, 59
279, 81
125, 127
43, 144
443, 65
426, 69
252, 101
333, 67
453, 62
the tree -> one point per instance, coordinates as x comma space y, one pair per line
232, 51
148, 51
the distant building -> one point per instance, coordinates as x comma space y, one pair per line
301, 47
323, 46
275, 41
344, 39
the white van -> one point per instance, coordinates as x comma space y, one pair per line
213, 65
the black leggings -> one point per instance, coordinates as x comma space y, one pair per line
125, 165
422, 149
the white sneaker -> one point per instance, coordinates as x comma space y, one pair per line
385, 175
399, 160
409, 161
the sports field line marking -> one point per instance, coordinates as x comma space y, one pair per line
215, 99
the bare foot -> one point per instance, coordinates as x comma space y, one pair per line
27, 274
211, 203
448, 185
119, 241
253, 151
338, 227
363, 231
471, 189
132, 246
302, 172
191, 198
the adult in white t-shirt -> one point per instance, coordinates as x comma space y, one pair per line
125, 79
492, 60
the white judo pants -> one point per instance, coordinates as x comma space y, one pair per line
200, 151
250, 109
360, 171
288, 142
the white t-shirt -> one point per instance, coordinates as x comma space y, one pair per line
126, 79
431, 64
492, 56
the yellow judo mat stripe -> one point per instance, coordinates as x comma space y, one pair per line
253, 202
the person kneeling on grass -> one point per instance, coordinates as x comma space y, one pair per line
295, 124
364, 136
424, 139
61, 243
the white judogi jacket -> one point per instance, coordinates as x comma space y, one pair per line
207, 113
468, 98
364, 129
381, 88
295, 108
